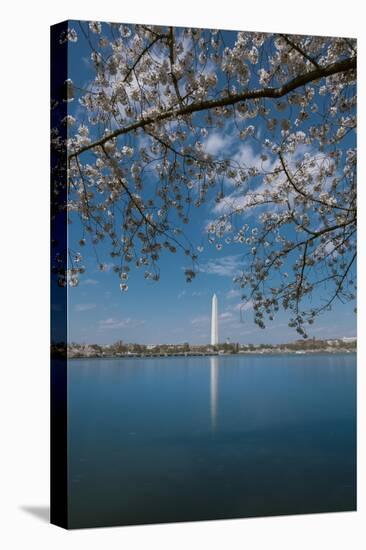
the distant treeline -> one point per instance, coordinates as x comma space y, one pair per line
123, 348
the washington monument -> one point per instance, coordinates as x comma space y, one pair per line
214, 322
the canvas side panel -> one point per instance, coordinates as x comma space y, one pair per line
59, 433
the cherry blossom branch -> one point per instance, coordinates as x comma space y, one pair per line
344, 65
300, 51
141, 55
172, 60
339, 285
305, 195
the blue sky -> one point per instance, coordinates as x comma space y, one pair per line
173, 310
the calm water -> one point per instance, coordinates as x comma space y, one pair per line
172, 439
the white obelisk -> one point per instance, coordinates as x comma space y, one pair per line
214, 323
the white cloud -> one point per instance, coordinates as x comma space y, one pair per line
194, 294
84, 307
225, 317
243, 306
200, 320
232, 293
246, 157
90, 282
216, 143
234, 201
112, 323
227, 266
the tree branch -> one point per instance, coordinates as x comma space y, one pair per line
299, 285
140, 56
172, 60
305, 195
274, 93
339, 285
300, 51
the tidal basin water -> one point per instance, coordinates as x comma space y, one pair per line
194, 438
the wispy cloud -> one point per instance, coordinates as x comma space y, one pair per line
90, 282
112, 323
225, 317
232, 293
194, 294
246, 157
243, 306
226, 266
240, 199
218, 143
84, 307
200, 320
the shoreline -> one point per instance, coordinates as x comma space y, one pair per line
188, 355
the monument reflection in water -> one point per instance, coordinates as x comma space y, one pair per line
214, 363
214, 378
